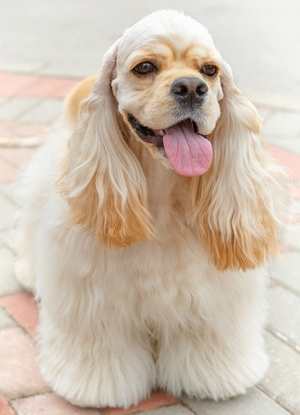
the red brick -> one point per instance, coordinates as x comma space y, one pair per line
49, 404
10, 83
290, 160
5, 408
23, 308
34, 86
157, 400
19, 374
49, 87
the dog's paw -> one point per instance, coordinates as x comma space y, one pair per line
208, 375
90, 377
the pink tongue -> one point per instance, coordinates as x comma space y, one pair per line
189, 153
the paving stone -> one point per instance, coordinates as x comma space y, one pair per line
6, 321
18, 157
284, 314
8, 282
282, 124
47, 111
289, 160
170, 410
5, 408
7, 212
156, 400
286, 268
19, 374
8, 174
254, 402
8, 240
282, 382
23, 308
49, 404
14, 108
291, 144
292, 235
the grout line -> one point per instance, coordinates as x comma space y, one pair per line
32, 395
284, 339
276, 400
287, 287
185, 405
11, 407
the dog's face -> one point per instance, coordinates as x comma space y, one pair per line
168, 87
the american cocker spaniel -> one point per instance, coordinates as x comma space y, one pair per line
146, 226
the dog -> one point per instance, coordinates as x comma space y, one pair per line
146, 226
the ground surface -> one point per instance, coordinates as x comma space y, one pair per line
45, 48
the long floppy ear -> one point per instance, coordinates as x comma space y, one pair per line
102, 180
233, 202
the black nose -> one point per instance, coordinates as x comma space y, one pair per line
189, 89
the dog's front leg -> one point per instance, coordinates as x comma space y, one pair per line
219, 353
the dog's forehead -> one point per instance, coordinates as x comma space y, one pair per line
171, 25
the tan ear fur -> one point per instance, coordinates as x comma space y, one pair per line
102, 180
233, 202
76, 97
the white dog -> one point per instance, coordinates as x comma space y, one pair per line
146, 229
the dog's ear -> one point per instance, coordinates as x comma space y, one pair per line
74, 102
233, 202
102, 180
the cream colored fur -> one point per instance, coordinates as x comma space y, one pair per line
148, 279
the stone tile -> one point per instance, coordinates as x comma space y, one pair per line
7, 212
23, 308
286, 267
6, 321
282, 382
47, 111
8, 282
287, 159
8, 240
48, 87
14, 108
290, 144
254, 402
170, 410
5, 408
19, 375
282, 124
157, 400
11, 84
49, 404
8, 173
292, 234
18, 157
22, 129
284, 314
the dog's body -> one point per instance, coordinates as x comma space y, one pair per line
128, 306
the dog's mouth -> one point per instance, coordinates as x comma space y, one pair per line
189, 153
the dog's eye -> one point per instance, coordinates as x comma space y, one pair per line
209, 69
144, 68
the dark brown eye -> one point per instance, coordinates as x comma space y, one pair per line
209, 69
144, 68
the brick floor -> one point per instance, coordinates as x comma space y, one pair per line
19, 374
22, 390
23, 308
12, 85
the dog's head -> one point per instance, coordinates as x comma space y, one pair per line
164, 84
168, 86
